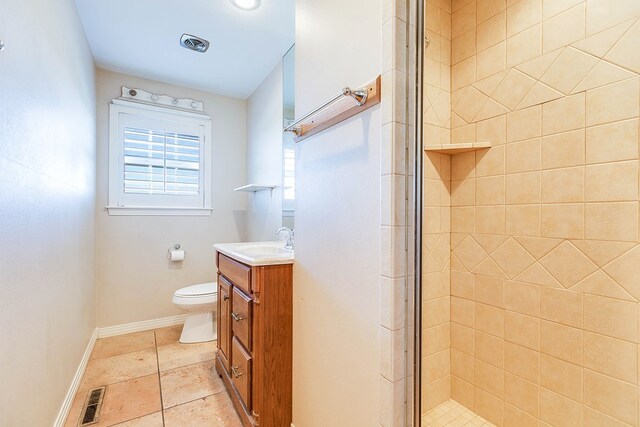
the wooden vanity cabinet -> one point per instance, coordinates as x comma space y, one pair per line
255, 328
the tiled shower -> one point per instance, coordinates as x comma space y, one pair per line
531, 263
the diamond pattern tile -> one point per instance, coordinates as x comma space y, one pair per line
602, 74
469, 103
600, 43
538, 66
538, 246
624, 271
513, 88
512, 258
568, 70
490, 109
538, 275
539, 93
602, 252
599, 283
470, 253
625, 52
568, 265
490, 242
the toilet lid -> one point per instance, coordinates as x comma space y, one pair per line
197, 290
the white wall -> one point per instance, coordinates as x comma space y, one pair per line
135, 280
47, 206
337, 270
264, 157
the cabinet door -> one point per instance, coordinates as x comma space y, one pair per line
241, 318
224, 320
241, 372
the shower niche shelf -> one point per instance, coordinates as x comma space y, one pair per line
457, 148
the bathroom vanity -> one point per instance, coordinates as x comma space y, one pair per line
254, 356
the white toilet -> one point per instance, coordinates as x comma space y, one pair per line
200, 301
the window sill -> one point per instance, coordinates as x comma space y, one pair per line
157, 211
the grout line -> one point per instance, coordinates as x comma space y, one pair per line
155, 342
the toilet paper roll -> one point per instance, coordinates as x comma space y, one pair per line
176, 255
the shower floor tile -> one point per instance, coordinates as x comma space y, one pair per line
453, 414
152, 381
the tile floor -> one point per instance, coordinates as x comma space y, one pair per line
453, 414
152, 380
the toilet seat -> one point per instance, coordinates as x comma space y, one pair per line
196, 291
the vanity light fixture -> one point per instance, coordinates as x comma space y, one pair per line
246, 4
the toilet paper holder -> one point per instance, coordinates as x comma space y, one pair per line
175, 247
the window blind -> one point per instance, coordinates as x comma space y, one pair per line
161, 162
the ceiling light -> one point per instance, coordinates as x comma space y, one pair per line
246, 4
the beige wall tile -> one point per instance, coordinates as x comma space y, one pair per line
490, 290
522, 361
612, 221
611, 356
564, 28
521, 188
489, 378
614, 102
463, 192
463, 46
489, 8
463, 73
563, 221
463, 165
612, 182
600, 14
462, 392
490, 61
593, 418
490, 190
515, 417
492, 31
489, 348
563, 149
489, 319
524, 124
493, 130
522, 329
612, 142
489, 407
462, 365
522, 15
490, 219
561, 377
522, 298
561, 306
491, 162
611, 396
436, 312
562, 342
553, 7
463, 311
462, 338
524, 45
558, 410
463, 285
521, 393
463, 219
463, 19
436, 339
523, 220
611, 317
436, 366
563, 114
563, 185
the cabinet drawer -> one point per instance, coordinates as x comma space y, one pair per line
241, 371
241, 317
238, 273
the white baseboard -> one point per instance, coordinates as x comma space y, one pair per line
71, 393
145, 325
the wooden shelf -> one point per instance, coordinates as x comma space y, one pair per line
457, 148
252, 188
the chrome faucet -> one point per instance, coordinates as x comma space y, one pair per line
290, 234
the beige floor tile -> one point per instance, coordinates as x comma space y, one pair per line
212, 411
74, 411
152, 420
188, 383
175, 355
130, 400
168, 335
114, 346
110, 370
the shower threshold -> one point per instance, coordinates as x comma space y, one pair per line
453, 414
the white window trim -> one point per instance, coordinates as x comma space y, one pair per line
114, 207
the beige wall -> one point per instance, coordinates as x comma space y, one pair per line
135, 280
544, 225
337, 274
264, 157
47, 202
436, 326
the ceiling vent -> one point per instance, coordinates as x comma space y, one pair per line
194, 43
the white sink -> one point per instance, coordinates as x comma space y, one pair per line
257, 253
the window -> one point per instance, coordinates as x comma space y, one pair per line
159, 161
